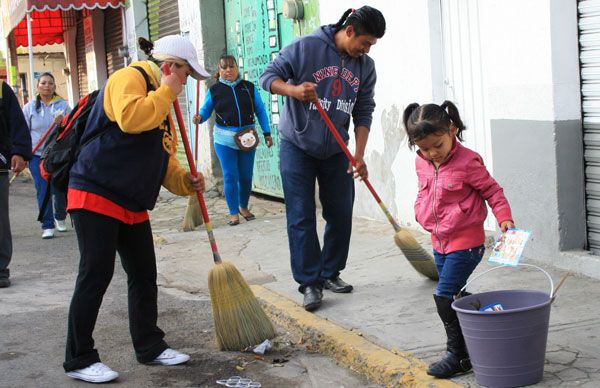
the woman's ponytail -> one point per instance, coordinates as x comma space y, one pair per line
146, 46
364, 20
452, 111
338, 26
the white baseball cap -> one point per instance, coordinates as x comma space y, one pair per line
180, 47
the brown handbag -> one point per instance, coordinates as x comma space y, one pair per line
246, 139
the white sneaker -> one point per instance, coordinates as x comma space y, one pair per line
95, 373
170, 357
61, 225
47, 233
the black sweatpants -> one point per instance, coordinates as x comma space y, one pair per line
99, 238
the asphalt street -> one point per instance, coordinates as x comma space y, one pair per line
33, 314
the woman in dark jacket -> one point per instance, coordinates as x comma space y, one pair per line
128, 153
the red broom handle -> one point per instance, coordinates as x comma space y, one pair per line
352, 160
43, 138
197, 125
194, 172
37, 146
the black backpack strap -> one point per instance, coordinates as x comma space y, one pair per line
149, 86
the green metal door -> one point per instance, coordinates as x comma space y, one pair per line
255, 32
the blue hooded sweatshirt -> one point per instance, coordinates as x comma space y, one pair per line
345, 87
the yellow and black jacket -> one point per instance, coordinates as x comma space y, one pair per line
129, 143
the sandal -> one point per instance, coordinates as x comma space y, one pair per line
233, 222
249, 217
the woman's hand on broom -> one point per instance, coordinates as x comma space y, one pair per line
505, 225
197, 182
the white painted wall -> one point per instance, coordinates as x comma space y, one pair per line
528, 76
404, 74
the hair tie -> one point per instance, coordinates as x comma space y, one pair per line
353, 10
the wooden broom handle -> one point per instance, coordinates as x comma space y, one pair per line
352, 160
194, 172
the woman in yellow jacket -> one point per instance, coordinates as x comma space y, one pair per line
127, 153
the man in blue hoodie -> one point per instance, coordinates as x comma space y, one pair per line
15, 151
330, 65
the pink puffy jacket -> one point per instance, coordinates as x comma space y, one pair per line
450, 204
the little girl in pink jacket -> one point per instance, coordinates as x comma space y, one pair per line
453, 188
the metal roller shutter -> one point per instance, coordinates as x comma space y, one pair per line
81, 61
113, 39
589, 41
163, 20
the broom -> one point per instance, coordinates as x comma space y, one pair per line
193, 216
419, 258
239, 320
37, 146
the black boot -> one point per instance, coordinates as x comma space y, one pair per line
456, 359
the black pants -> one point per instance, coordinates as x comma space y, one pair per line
99, 238
5, 235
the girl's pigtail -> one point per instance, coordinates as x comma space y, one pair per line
338, 26
452, 110
408, 112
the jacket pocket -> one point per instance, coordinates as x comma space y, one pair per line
421, 204
452, 190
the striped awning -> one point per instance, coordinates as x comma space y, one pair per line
46, 17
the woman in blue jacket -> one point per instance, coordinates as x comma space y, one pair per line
235, 102
46, 109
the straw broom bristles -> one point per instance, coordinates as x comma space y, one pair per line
193, 215
239, 319
418, 257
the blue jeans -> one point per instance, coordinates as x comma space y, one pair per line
299, 172
455, 268
237, 169
57, 206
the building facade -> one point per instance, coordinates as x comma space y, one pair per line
517, 70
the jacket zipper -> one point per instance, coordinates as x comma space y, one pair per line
437, 222
237, 105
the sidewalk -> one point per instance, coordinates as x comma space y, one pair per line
387, 328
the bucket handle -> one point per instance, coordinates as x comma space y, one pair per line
503, 266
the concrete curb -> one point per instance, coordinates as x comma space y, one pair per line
382, 366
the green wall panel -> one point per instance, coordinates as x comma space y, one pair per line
255, 32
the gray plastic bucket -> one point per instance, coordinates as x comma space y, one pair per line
507, 348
